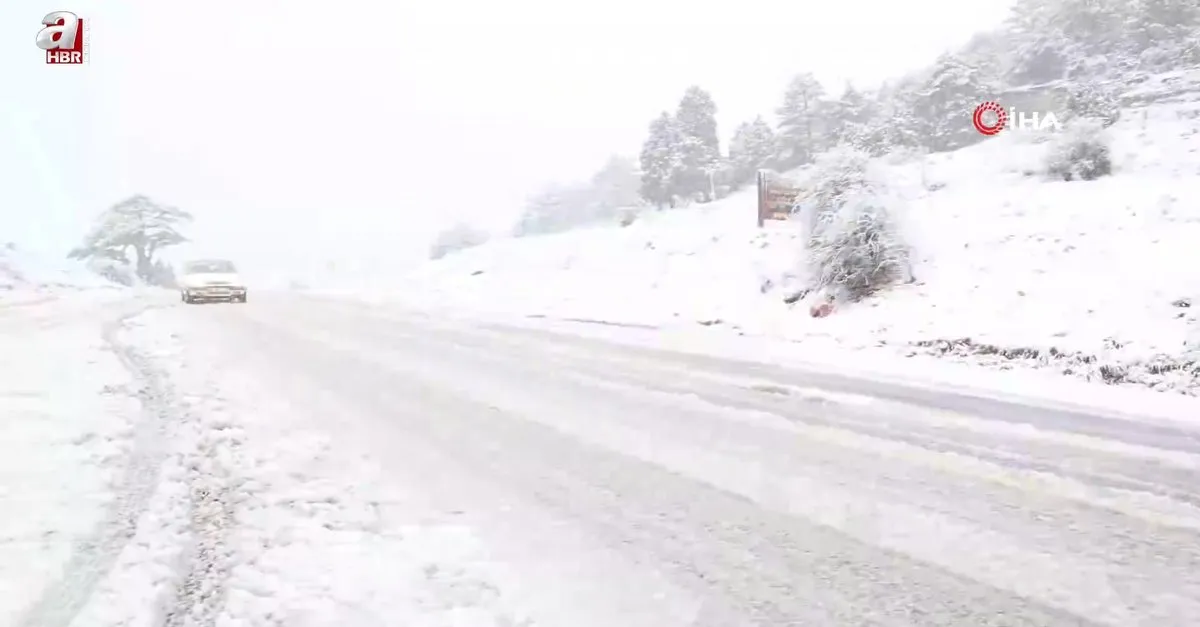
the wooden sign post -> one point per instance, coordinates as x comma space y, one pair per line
775, 201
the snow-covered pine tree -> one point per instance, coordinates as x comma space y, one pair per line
1099, 29
947, 99
661, 162
1055, 39
1166, 33
555, 209
610, 194
893, 120
846, 120
1182, 14
798, 120
136, 223
615, 186
753, 147
1038, 51
696, 120
734, 174
990, 52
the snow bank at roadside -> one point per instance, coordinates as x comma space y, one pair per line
26, 276
1104, 270
67, 428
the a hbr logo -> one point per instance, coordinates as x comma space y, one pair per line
63, 38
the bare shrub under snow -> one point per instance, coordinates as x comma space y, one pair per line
1164, 373
1094, 100
1080, 153
853, 245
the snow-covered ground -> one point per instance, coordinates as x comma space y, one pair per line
308, 461
77, 459
258, 519
329, 463
27, 277
1100, 279
67, 448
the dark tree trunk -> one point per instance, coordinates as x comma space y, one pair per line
145, 269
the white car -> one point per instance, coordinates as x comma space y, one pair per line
211, 280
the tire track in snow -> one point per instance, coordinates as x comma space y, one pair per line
94, 556
199, 594
207, 443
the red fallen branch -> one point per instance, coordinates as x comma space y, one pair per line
820, 310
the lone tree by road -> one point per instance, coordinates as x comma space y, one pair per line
136, 223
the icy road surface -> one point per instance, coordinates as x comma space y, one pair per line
322, 463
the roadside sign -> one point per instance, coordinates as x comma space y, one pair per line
775, 200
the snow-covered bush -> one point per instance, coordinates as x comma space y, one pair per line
113, 270
162, 275
1172, 49
836, 173
1081, 152
1093, 100
455, 238
853, 245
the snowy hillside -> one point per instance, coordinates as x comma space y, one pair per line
26, 275
1109, 268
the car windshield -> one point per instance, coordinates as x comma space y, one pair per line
205, 267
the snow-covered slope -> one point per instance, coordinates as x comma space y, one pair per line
26, 275
1109, 269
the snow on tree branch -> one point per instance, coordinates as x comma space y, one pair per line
136, 224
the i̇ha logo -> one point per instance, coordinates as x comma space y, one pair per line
63, 38
990, 118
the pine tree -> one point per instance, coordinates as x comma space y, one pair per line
893, 120
136, 223
1166, 33
1098, 27
990, 51
555, 209
845, 120
753, 147
1055, 39
1039, 51
616, 185
947, 100
696, 120
798, 120
661, 161
1176, 17
558, 208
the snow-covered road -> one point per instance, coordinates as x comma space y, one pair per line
319, 462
